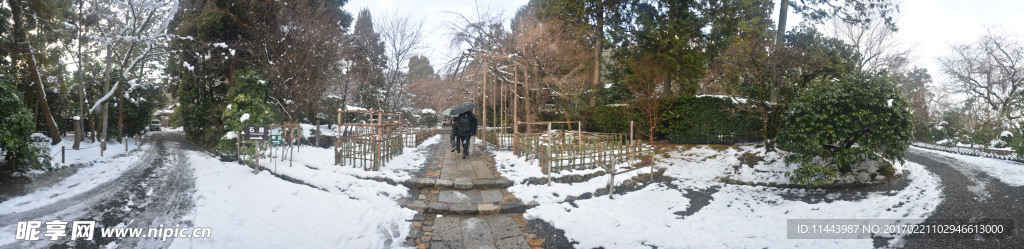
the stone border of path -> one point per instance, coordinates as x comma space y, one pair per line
462, 184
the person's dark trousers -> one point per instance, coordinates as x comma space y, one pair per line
454, 140
465, 145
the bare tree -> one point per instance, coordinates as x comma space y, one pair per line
562, 58
402, 38
874, 39
648, 74
991, 71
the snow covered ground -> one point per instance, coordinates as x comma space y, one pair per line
1009, 172
768, 167
95, 171
342, 208
518, 169
87, 152
733, 216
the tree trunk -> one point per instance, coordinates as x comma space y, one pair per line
79, 127
781, 31
598, 47
103, 115
120, 112
22, 42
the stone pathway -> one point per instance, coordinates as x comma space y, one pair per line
463, 203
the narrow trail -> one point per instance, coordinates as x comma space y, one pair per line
156, 190
973, 195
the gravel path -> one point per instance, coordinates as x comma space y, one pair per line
973, 195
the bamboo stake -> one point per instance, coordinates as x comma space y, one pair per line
483, 102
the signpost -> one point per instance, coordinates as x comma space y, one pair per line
256, 133
274, 140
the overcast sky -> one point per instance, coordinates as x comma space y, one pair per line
929, 27
433, 12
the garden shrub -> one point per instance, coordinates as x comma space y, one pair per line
706, 119
247, 106
830, 126
20, 149
607, 119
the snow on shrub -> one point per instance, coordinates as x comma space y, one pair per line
831, 126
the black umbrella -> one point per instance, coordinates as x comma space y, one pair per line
461, 108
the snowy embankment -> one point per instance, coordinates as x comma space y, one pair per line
751, 163
94, 171
518, 169
1009, 172
726, 216
342, 208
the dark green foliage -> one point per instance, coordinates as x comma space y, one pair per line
683, 119
420, 69
202, 102
428, 119
1018, 145
830, 126
20, 151
607, 119
248, 96
612, 92
143, 100
366, 51
707, 120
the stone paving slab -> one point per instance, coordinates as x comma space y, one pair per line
448, 228
502, 226
491, 195
489, 231
511, 243
457, 196
467, 200
435, 183
476, 233
445, 245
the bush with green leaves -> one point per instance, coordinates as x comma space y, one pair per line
607, 118
247, 106
202, 105
1018, 146
428, 119
706, 119
830, 126
19, 148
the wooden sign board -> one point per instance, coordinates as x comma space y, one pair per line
256, 133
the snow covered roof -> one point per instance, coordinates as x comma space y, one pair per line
428, 110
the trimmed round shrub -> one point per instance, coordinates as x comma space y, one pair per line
830, 126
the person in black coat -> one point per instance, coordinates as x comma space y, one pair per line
465, 129
452, 138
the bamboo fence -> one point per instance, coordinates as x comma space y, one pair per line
413, 137
368, 145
